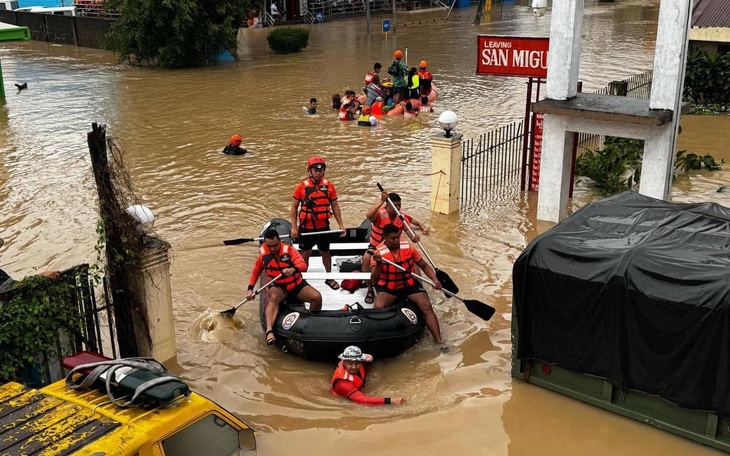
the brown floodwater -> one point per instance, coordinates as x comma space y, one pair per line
174, 125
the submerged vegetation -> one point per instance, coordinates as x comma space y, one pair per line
617, 166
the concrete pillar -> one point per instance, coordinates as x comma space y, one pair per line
566, 25
670, 54
555, 163
670, 58
151, 288
446, 177
658, 161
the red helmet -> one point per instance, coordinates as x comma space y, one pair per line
236, 140
423, 64
398, 54
316, 160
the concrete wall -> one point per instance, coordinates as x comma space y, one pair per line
711, 34
74, 30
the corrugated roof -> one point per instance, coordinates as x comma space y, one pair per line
711, 13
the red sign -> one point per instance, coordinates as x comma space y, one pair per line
512, 56
536, 152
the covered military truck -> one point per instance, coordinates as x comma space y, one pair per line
626, 305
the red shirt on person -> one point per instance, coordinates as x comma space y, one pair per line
345, 384
288, 256
321, 194
406, 256
382, 218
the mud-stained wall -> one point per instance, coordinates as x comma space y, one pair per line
75, 30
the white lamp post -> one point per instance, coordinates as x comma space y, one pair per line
539, 7
142, 214
448, 120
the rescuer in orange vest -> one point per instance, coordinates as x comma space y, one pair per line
392, 284
314, 203
349, 378
276, 258
381, 214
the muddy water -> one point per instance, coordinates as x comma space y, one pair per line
174, 124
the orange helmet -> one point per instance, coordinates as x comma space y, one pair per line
423, 64
236, 140
316, 160
366, 109
398, 54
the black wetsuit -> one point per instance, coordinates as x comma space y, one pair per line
234, 150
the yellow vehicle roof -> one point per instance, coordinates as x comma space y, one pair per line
60, 421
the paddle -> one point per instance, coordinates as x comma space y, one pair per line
444, 278
478, 308
245, 240
232, 311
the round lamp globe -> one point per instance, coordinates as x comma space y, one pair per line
141, 213
448, 121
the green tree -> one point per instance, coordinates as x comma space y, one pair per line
175, 33
707, 79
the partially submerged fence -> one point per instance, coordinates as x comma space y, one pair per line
491, 161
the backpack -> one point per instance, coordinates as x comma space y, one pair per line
395, 69
352, 285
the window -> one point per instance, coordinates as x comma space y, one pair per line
2, 7
211, 436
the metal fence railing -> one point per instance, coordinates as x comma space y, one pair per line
491, 161
637, 86
331, 9
96, 330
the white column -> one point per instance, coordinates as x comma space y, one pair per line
566, 25
446, 177
557, 142
658, 161
670, 58
151, 288
670, 54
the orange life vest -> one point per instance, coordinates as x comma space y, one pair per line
342, 374
391, 277
344, 114
382, 219
315, 210
369, 77
377, 109
275, 264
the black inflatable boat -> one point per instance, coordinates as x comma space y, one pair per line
344, 319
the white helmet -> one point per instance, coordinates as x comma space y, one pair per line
353, 353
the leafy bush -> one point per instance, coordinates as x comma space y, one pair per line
286, 40
616, 167
174, 33
31, 316
707, 79
694, 161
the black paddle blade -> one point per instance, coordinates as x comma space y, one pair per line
480, 309
229, 313
446, 282
237, 241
